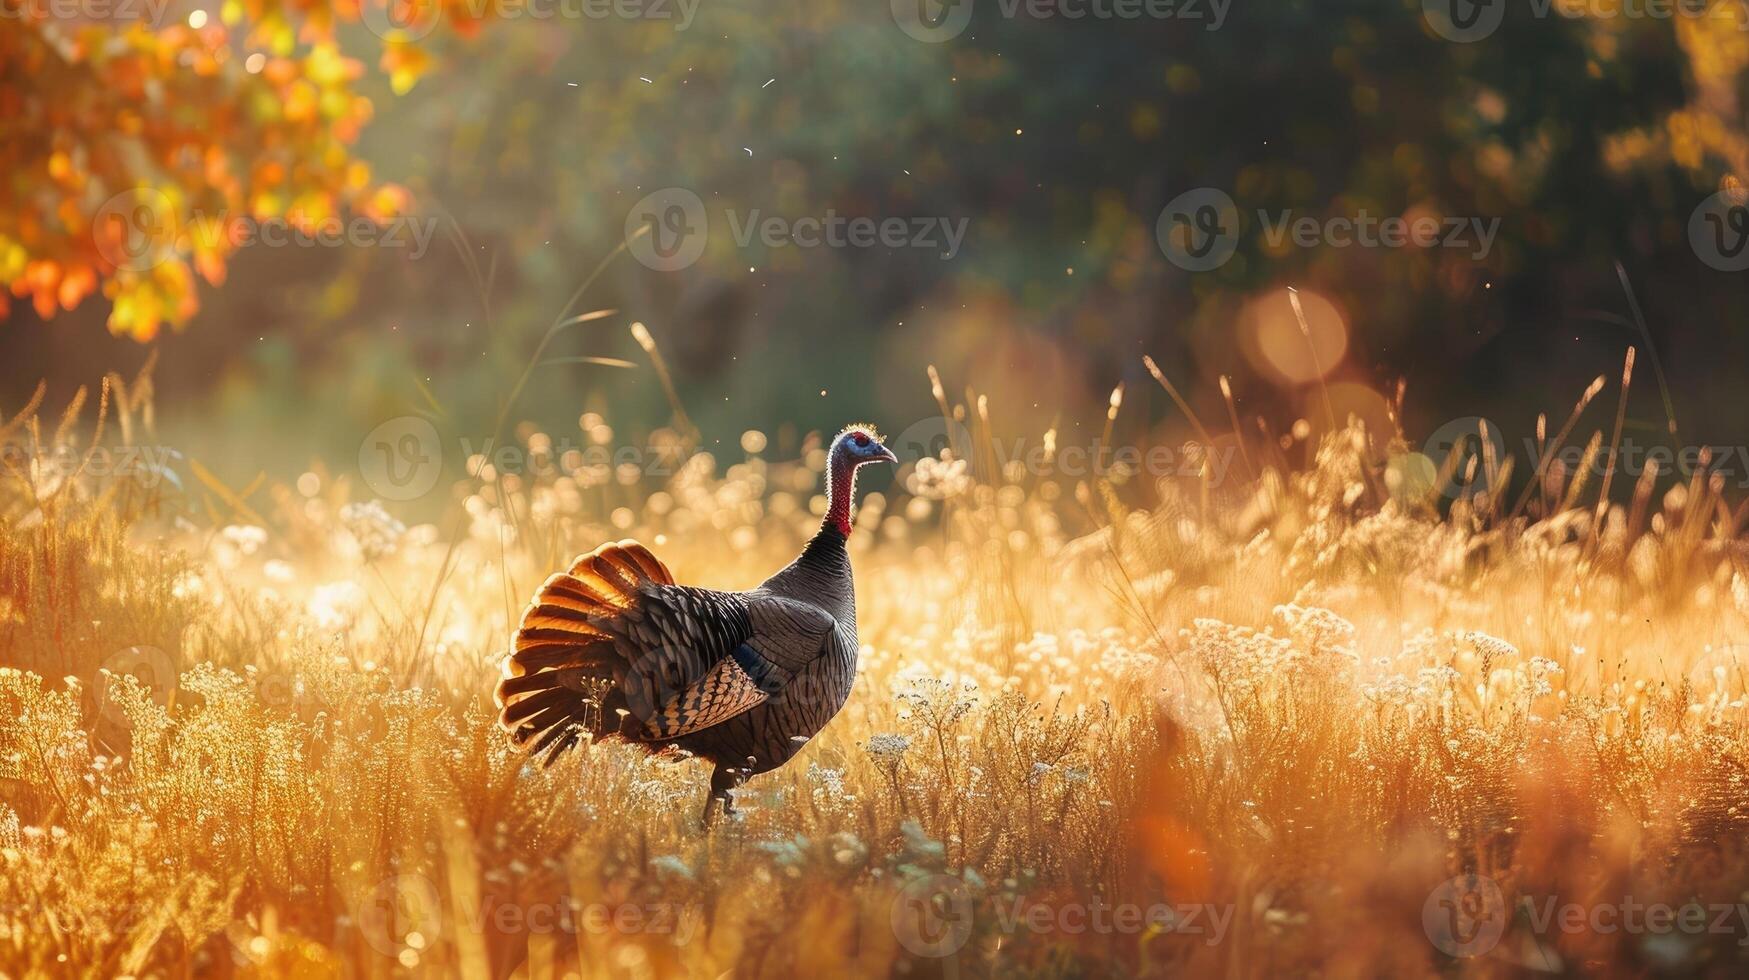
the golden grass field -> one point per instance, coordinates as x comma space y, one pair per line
1307, 718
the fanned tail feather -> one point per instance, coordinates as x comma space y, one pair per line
561, 678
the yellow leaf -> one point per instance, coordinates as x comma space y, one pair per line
325, 66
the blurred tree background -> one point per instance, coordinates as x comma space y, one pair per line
1591, 137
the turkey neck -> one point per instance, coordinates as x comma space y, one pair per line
821, 573
840, 489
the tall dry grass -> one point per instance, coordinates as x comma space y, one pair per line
247, 731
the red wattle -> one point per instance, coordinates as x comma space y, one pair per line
840, 488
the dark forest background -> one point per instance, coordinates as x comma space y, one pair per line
1592, 139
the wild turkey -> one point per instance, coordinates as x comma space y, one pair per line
613, 648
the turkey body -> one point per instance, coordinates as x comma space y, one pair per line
766, 736
614, 648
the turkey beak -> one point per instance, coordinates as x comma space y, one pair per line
886, 455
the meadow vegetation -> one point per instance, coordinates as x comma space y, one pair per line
248, 730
